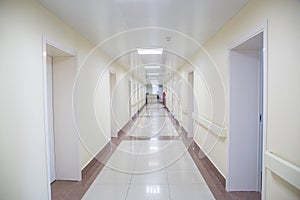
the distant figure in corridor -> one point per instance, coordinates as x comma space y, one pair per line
164, 98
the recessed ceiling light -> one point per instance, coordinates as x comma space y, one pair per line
151, 67
152, 74
155, 51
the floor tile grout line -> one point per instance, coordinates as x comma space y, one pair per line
128, 188
168, 183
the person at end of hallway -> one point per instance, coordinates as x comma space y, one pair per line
164, 98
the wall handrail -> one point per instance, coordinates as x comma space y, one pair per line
214, 128
137, 103
283, 168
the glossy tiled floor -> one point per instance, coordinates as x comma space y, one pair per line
153, 122
153, 165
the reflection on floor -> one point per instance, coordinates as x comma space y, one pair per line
153, 122
152, 158
150, 169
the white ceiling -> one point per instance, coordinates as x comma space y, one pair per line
147, 23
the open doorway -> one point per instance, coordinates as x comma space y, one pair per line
190, 104
62, 140
112, 81
129, 100
246, 115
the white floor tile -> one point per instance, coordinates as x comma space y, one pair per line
186, 156
157, 177
183, 164
153, 162
184, 177
148, 192
122, 161
109, 176
106, 192
190, 192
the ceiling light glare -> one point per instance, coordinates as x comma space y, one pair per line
151, 67
157, 51
155, 82
152, 74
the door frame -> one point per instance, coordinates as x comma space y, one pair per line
129, 100
191, 103
263, 28
47, 41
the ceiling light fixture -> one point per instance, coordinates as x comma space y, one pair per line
151, 67
152, 74
156, 51
154, 83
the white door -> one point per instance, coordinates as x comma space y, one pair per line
244, 119
261, 103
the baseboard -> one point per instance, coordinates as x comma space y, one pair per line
209, 164
135, 116
99, 159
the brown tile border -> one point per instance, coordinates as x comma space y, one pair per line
208, 164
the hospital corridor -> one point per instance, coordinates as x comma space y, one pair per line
149, 99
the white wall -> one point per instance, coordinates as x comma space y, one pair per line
168, 88
122, 95
283, 95
67, 159
23, 169
137, 96
178, 87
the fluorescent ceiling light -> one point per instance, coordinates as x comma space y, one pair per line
152, 67
154, 84
152, 74
149, 51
